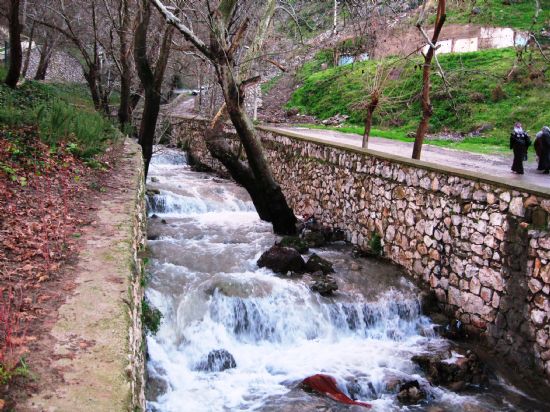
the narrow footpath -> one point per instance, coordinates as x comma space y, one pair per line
90, 346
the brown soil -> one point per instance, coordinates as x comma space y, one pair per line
273, 110
49, 210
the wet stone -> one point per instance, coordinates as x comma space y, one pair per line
282, 260
316, 263
410, 393
217, 361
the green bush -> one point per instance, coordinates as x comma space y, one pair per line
150, 317
375, 244
64, 113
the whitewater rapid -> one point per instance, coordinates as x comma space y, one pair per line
205, 239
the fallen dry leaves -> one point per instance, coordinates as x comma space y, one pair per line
46, 196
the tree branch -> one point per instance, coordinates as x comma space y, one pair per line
182, 28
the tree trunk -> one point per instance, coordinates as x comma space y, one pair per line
239, 170
265, 190
124, 110
148, 125
91, 79
45, 55
151, 81
427, 109
368, 119
335, 18
16, 54
43, 64
29, 51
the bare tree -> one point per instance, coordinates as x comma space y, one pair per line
427, 109
16, 53
375, 86
120, 18
29, 51
227, 23
49, 41
151, 78
80, 23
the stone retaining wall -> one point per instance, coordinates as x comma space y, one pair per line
136, 341
481, 245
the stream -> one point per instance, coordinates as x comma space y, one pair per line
205, 238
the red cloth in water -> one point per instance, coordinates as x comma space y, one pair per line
326, 385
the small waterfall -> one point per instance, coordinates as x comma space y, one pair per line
236, 337
279, 319
167, 157
171, 204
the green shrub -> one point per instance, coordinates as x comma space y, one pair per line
375, 244
150, 317
64, 113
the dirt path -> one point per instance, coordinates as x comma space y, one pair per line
492, 165
86, 353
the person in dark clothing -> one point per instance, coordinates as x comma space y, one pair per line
519, 143
542, 147
538, 147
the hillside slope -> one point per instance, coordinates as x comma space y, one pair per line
485, 101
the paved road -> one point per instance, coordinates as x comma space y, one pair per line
493, 165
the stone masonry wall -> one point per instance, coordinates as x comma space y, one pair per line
136, 343
481, 246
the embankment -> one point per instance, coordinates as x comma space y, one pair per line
480, 244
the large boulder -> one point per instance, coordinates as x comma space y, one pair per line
217, 360
314, 238
454, 372
282, 260
316, 263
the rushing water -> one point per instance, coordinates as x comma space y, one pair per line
206, 238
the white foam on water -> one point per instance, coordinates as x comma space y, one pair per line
212, 295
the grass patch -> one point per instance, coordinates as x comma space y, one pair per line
63, 113
518, 14
483, 97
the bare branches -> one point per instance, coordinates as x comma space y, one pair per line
172, 19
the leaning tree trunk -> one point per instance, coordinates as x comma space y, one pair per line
44, 61
91, 79
16, 53
265, 191
427, 109
239, 170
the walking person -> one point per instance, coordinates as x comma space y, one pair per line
542, 147
519, 143
538, 147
